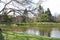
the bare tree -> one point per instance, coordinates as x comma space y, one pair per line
18, 6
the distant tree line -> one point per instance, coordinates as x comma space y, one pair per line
40, 16
43, 16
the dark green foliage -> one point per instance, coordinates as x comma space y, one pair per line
45, 16
1, 36
5, 19
49, 15
21, 24
48, 12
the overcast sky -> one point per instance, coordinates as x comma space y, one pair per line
54, 6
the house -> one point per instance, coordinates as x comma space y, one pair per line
58, 19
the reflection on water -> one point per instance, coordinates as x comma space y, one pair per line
55, 33
33, 31
39, 31
42, 31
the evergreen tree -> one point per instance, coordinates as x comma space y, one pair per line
25, 14
44, 16
40, 9
48, 12
40, 12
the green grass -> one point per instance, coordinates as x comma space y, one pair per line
38, 24
34, 24
23, 36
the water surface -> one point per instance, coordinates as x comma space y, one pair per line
42, 31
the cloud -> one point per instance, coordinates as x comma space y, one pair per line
54, 6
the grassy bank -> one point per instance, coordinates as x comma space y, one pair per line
19, 26
38, 24
23, 36
35, 24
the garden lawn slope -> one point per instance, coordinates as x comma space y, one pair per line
8, 35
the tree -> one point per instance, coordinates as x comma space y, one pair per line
25, 14
43, 18
5, 19
40, 9
19, 6
40, 12
48, 12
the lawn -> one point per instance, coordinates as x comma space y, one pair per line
8, 35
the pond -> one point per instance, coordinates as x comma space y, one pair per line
42, 31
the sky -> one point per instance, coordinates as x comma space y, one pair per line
53, 5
